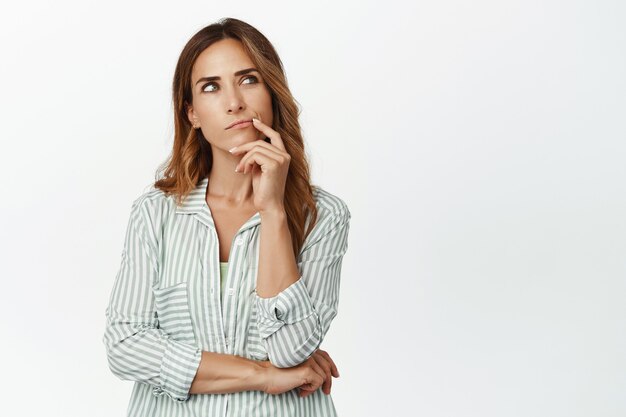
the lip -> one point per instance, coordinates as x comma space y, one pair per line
239, 124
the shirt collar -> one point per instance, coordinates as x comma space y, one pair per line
194, 201
195, 204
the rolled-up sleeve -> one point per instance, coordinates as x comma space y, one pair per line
137, 349
293, 323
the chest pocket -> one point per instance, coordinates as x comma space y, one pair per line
172, 305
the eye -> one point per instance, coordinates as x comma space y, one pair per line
250, 77
206, 85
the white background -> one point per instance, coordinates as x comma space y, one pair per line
479, 145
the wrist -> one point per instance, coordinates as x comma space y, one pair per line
259, 375
278, 213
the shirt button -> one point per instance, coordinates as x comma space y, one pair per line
231, 291
239, 241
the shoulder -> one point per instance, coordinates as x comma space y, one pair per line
151, 206
333, 216
329, 204
151, 199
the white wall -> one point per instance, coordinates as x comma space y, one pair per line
480, 146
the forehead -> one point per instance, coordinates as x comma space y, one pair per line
222, 58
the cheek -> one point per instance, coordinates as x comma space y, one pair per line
262, 103
211, 127
207, 111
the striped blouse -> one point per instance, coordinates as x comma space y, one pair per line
166, 307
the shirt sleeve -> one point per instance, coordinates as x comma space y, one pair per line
293, 323
137, 349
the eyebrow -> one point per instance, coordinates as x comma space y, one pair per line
215, 77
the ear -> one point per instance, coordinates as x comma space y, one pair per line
191, 115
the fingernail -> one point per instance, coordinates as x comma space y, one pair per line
255, 120
232, 149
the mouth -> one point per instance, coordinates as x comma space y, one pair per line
239, 124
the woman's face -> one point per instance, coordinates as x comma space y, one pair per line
228, 95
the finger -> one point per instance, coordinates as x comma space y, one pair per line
318, 369
272, 153
303, 392
333, 367
312, 386
309, 386
318, 376
266, 162
327, 384
249, 145
323, 363
307, 389
270, 133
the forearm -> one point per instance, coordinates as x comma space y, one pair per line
293, 322
277, 263
221, 373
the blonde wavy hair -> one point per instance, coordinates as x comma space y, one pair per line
191, 158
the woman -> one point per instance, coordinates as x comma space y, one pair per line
230, 272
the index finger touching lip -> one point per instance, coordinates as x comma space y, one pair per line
273, 136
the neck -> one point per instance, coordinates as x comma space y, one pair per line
226, 184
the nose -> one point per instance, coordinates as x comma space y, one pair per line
235, 102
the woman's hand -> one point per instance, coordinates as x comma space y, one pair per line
280, 380
323, 360
268, 164
315, 372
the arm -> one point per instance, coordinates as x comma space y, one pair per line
222, 373
137, 349
295, 315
